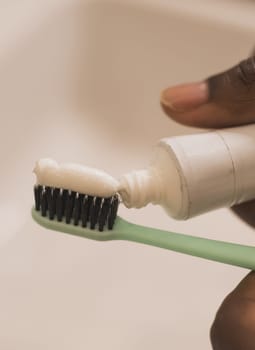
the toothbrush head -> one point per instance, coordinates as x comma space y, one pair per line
74, 208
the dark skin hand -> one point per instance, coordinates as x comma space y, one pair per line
224, 100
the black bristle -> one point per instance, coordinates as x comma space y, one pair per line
86, 210
44, 204
48, 191
51, 204
68, 208
94, 212
113, 212
55, 194
76, 208
64, 196
59, 206
73, 195
37, 194
104, 213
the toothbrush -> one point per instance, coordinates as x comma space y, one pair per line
73, 211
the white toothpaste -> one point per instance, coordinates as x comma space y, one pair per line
75, 177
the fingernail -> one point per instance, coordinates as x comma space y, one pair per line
185, 97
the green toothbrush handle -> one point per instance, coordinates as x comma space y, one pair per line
224, 252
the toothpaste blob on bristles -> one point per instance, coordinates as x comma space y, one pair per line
75, 177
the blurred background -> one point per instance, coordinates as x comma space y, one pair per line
80, 81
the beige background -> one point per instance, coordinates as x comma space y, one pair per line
80, 81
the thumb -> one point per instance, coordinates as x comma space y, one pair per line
235, 86
225, 99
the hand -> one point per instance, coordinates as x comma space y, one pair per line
224, 100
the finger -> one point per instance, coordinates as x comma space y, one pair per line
226, 99
234, 324
211, 115
246, 212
